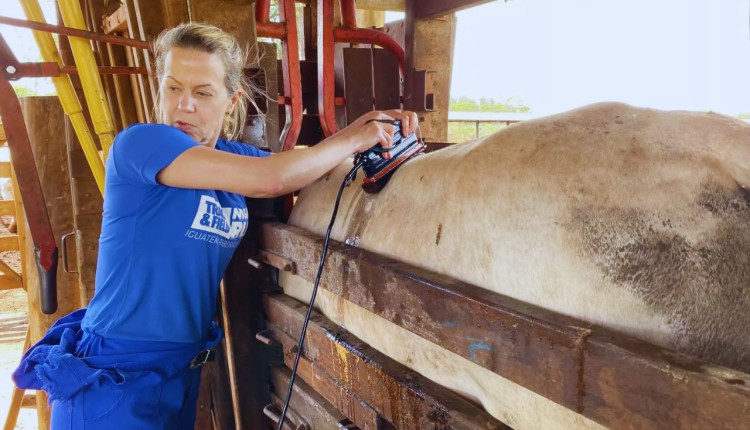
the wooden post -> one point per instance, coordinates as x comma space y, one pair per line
45, 124
87, 216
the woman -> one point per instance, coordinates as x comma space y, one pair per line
174, 212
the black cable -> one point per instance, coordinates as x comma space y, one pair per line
358, 162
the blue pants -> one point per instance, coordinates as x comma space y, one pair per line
168, 405
101, 383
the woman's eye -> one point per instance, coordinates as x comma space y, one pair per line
204, 94
173, 89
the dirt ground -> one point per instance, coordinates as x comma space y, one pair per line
14, 318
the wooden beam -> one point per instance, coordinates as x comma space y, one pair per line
402, 397
9, 283
9, 243
117, 21
384, 5
2, 133
435, 8
316, 410
5, 169
7, 207
10, 273
543, 351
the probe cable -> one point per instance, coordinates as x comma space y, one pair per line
359, 161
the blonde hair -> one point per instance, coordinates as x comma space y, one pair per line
212, 40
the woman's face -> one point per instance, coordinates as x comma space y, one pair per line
193, 96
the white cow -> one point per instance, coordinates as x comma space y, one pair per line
634, 219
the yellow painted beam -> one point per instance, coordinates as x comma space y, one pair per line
88, 71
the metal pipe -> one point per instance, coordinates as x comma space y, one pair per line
292, 75
52, 70
65, 92
90, 80
373, 37
348, 14
326, 88
67, 31
274, 30
262, 11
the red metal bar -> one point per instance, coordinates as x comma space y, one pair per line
57, 29
45, 249
262, 11
38, 70
110, 70
292, 75
273, 30
326, 87
348, 14
372, 37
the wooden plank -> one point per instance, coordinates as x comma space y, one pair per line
386, 84
10, 273
7, 207
9, 243
117, 21
9, 283
531, 346
2, 133
543, 351
435, 8
403, 398
316, 410
5, 169
361, 414
630, 384
357, 82
20, 226
383, 5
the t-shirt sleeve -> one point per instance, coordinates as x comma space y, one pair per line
141, 151
244, 149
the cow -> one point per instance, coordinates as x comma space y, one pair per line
630, 218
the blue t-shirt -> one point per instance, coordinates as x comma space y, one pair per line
162, 250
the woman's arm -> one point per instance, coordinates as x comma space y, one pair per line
207, 168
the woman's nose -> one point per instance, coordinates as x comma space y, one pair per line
186, 103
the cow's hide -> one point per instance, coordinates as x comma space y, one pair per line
634, 219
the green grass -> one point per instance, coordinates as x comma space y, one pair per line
461, 131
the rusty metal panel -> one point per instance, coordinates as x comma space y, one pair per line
403, 398
548, 353
387, 81
358, 81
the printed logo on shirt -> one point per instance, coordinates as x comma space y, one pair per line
211, 217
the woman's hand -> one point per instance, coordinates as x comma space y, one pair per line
370, 129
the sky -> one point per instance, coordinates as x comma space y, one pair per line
555, 55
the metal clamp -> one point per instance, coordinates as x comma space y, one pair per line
65, 252
202, 358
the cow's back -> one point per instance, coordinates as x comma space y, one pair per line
630, 218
